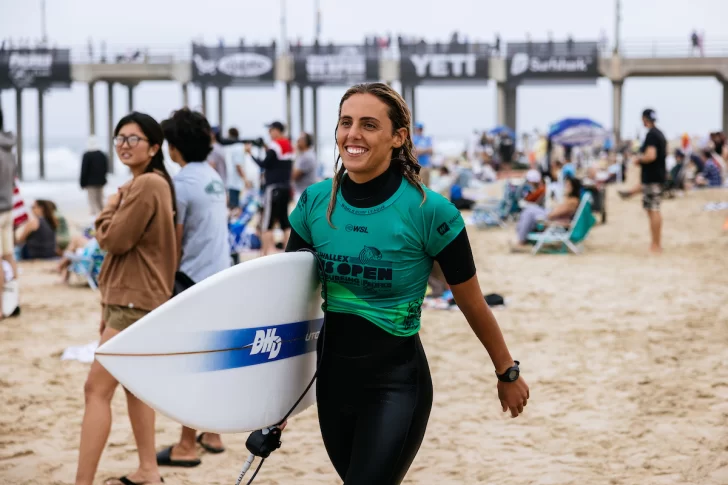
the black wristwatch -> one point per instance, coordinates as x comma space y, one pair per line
511, 374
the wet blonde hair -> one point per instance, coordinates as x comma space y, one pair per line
403, 157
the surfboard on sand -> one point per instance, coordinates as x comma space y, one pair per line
231, 354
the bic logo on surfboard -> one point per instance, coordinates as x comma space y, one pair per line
266, 341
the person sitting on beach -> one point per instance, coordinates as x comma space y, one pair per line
37, 239
202, 239
76, 248
535, 188
137, 230
561, 214
711, 175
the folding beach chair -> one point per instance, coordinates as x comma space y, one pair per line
567, 238
87, 263
495, 212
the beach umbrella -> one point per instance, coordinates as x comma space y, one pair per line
502, 130
576, 132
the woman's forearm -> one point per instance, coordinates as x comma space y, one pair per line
481, 319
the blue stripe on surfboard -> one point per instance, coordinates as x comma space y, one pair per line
253, 346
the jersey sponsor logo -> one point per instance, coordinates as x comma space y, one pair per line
367, 270
414, 312
266, 341
360, 229
370, 254
443, 228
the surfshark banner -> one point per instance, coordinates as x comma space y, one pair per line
233, 66
550, 61
337, 65
35, 68
446, 63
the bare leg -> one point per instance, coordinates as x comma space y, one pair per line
185, 449
142, 423
98, 390
655, 231
268, 242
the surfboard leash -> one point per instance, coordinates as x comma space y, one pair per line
265, 441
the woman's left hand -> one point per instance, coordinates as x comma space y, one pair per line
513, 395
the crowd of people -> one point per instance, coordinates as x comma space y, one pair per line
160, 234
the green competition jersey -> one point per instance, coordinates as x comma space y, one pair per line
377, 260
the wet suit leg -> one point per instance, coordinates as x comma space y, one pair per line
373, 412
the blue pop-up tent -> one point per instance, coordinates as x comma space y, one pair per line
576, 132
503, 130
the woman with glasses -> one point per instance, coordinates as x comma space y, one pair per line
137, 229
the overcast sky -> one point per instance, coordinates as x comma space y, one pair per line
682, 104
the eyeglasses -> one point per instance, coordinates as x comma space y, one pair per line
132, 140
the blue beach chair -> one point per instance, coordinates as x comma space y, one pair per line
567, 239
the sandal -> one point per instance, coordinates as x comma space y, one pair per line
125, 481
164, 458
208, 448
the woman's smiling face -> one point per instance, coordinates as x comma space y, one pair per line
365, 137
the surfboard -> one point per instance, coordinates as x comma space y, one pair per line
231, 354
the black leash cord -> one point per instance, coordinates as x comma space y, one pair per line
263, 442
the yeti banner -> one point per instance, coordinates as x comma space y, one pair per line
443, 63
233, 66
335, 65
35, 68
550, 61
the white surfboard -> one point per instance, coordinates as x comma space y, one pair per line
231, 354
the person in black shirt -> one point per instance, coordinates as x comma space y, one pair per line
276, 185
94, 166
652, 160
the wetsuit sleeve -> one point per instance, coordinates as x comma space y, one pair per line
299, 219
456, 260
443, 222
296, 242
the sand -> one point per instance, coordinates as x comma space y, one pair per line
626, 355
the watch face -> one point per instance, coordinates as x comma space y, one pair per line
513, 374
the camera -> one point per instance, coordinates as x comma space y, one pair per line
256, 142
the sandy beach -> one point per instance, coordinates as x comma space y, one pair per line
626, 355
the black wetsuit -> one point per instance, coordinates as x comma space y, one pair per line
374, 389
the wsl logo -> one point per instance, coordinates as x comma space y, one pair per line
266, 341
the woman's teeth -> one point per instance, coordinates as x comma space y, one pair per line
355, 150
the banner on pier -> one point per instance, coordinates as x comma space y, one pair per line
443, 63
233, 66
335, 65
35, 68
538, 62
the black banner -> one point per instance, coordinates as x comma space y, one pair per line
35, 68
552, 61
335, 64
443, 63
233, 66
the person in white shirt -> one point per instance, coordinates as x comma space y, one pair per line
235, 161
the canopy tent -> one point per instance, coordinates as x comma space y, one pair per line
502, 130
576, 132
